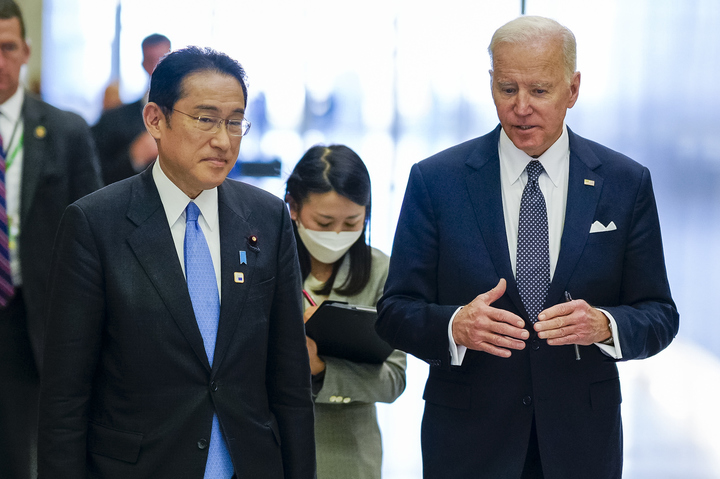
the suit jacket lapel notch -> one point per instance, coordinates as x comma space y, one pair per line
155, 250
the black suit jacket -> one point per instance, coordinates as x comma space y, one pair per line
114, 132
128, 390
59, 167
451, 245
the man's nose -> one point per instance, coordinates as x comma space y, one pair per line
523, 106
221, 138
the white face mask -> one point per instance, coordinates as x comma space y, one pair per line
327, 246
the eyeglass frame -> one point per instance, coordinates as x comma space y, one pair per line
244, 123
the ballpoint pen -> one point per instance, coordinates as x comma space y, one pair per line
568, 298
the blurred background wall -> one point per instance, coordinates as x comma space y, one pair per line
398, 80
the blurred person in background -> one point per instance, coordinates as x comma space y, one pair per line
329, 196
124, 146
47, 162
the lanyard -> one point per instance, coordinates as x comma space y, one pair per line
9, 160
13, 154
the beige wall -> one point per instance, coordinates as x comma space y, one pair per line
32, 13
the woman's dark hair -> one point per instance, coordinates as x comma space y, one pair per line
334, 168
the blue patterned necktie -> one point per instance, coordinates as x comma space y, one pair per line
6, 286
202, 286
533, 248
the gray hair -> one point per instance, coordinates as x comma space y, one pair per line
527, 29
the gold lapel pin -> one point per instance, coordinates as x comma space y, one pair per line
239, 277
590, 182
40, 132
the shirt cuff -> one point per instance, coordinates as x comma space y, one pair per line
457, 352
613, 351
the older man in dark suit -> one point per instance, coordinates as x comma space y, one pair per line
495, 238
48, 161
176, 345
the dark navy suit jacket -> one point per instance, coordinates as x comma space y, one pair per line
59, 166
128, 390
451, 245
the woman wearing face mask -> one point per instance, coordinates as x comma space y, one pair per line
329, 197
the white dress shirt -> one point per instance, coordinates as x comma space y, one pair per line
554, 186
175, 201
12, 129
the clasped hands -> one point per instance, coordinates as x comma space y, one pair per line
481, 327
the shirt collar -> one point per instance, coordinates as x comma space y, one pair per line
515, 160
12, 107
10, 112
175, 201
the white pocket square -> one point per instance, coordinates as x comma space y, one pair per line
598, 227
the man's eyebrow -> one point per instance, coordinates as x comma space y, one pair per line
214, 109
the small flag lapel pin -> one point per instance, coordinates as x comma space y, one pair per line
589, 182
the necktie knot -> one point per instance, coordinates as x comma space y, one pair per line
191, 212
534, 170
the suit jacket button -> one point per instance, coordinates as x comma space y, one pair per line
213, 386
202, 444
535, 344
527, 400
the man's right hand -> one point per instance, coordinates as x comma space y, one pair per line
484, 328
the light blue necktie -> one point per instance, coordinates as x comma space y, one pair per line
203, 289
533, 251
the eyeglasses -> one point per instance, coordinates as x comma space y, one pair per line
211, 123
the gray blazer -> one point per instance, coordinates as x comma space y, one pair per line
347, 435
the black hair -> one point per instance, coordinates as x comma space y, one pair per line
166, 81
9, 9
335, 168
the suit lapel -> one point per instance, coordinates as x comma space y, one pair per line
36, 146
153, 246
234, 233
582, 201
484, 188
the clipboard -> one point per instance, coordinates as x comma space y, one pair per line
347, 331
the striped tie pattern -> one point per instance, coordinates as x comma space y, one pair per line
6, 285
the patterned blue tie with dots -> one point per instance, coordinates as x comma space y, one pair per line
202, 285
533, 248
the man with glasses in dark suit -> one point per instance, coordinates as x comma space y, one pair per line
176, 344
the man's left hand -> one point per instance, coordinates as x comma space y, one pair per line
574, 322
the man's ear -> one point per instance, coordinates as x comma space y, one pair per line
25, 47
154, 118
